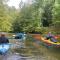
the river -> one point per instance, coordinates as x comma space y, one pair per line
41, 53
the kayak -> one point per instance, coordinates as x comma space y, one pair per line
4, 48
50, 42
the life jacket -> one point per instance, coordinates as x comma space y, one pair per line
4, 40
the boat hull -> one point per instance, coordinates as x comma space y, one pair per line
4, 48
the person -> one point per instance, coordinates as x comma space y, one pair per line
49, 36
3, 39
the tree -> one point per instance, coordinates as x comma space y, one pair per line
47, 15
7, 15
34, 17
23, 20
56, 16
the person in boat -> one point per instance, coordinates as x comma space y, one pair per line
51, 37
3, 39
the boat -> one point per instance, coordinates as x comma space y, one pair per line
50, 43
4, 48
20, 36
53, 42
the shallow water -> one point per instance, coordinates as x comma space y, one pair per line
35, 53
16, 57
32, 54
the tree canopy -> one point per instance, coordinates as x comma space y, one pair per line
34, 17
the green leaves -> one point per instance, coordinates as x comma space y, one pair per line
7, 15
30, 18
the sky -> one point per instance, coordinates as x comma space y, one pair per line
15, 3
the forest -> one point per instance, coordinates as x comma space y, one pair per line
38, 16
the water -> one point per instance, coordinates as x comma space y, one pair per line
31, 53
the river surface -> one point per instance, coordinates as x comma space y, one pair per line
35, 53
18, 57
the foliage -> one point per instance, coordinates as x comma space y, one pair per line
56, 14
35, 17
6, 16
47, 14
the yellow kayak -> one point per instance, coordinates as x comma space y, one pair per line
49, 41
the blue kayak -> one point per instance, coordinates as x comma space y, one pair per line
4, 48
